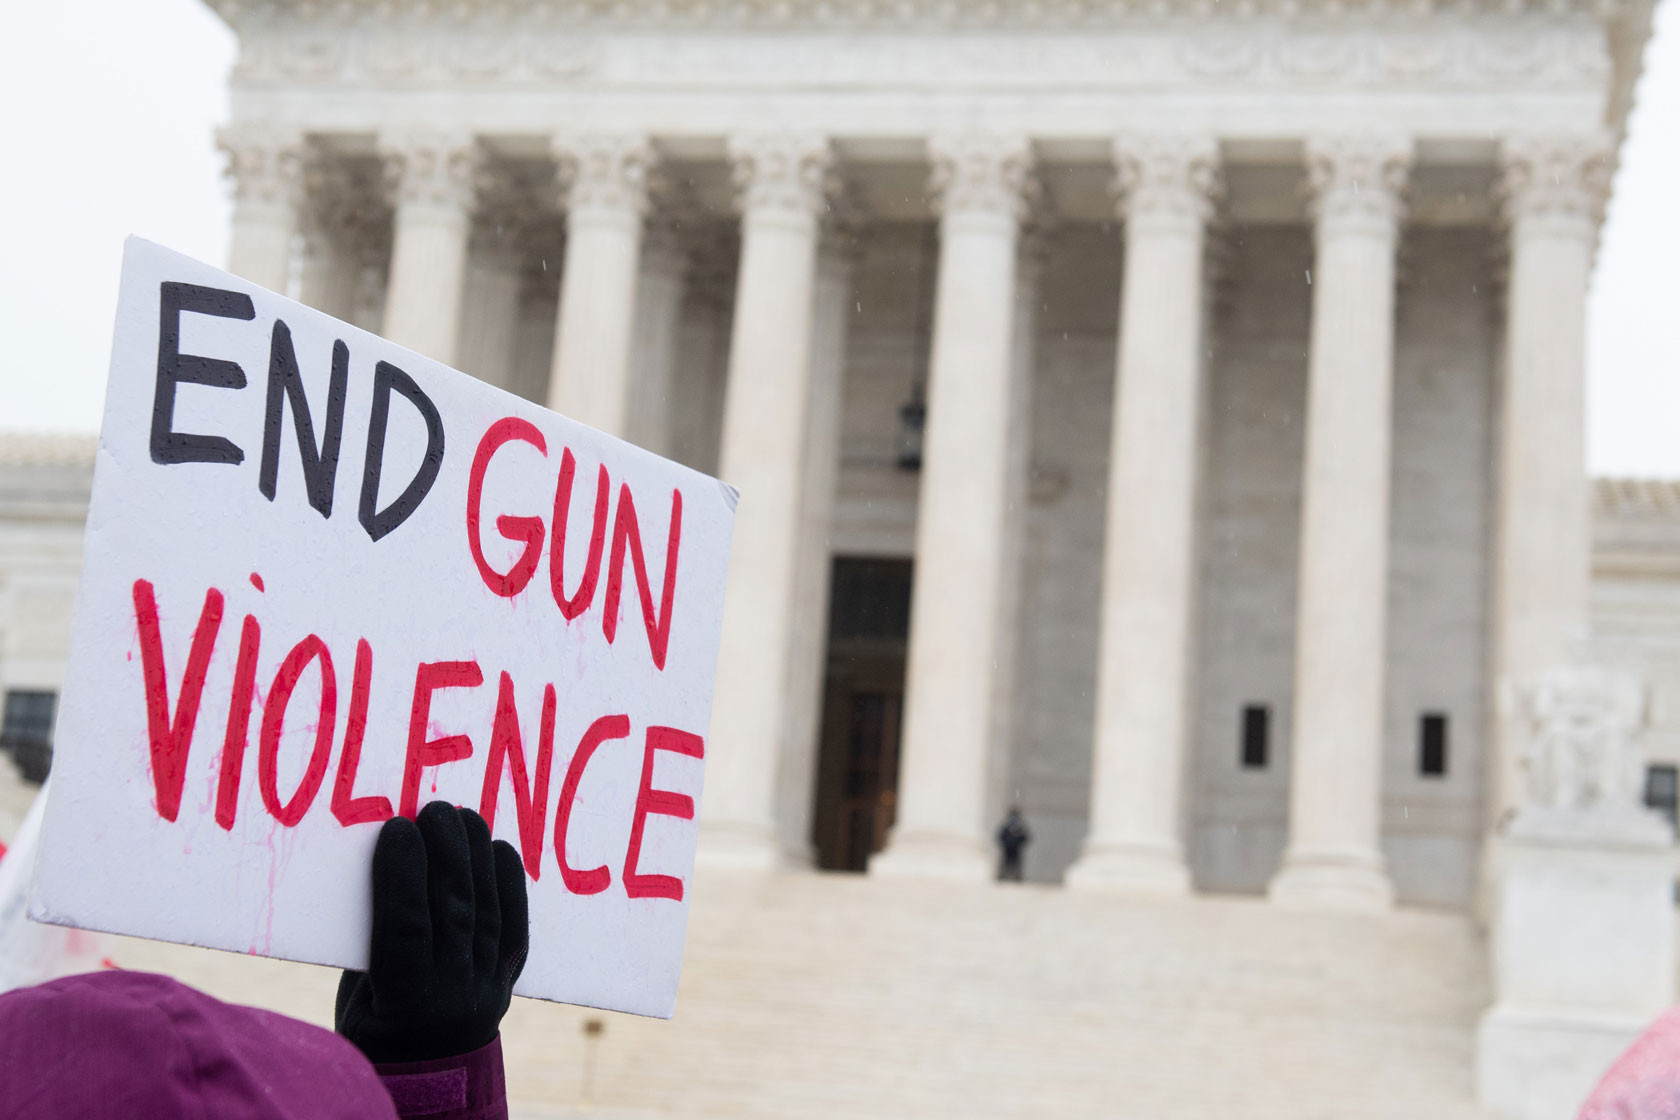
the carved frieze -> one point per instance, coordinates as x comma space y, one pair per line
1219, 55
1414, 56
514, 47
1316, 56
396, 58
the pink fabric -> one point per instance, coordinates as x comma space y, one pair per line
134, 1044
468, 1087
1644, 1083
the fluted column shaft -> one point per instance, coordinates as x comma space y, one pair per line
605, 178
660, 286
330, 220
831, 315
266, 166
1333, 857
1143, 663
490, 314
1032, 252
955, 623
1554, 193
432, 182
328, 276
782, 183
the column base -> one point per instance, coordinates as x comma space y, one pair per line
1134, 868
1541, 1066
933, 857
1332, 881
737, 847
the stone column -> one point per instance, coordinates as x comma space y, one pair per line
1555, 190
533, 336
783, 182
490, 312
832, 312
328, 274
1165, 188
703, 349
660, 284
432, 178
980, 184
334, 221
1032, 252
505, 239
605, 179
1333, 858
266, 166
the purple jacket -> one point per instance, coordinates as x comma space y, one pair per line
134, 1044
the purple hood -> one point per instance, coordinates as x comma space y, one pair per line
134, 1044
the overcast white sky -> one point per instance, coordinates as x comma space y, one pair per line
108, 107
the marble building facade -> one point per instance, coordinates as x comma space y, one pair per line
1250, 342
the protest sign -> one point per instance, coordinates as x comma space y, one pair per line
327, 580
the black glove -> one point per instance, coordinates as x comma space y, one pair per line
450, 933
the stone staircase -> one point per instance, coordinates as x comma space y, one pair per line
809, 995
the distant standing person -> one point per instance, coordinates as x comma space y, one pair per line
1012, 840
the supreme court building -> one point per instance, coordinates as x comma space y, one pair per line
1164, 415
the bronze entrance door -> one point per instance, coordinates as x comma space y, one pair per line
863, 705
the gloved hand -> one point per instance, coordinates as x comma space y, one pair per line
450, 933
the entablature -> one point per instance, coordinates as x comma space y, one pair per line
1074, 70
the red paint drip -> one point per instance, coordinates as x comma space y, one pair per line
256, 582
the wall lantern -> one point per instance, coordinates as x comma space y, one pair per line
912, 419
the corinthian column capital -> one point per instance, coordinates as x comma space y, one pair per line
1358, 181
1166, 176
1561, 181
264, 162
790, 174
977, 173
438, 170
604, 171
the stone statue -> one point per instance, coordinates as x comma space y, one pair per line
1581, 747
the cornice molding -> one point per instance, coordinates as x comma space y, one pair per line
48, 449
46, 477
1655, 499
506, 52
879, 14
1496, 44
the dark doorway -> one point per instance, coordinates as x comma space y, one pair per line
863, 706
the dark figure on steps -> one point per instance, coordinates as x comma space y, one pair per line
1012, 840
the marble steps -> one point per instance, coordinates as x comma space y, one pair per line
810, 995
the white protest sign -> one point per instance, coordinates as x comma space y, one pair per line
327, 580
